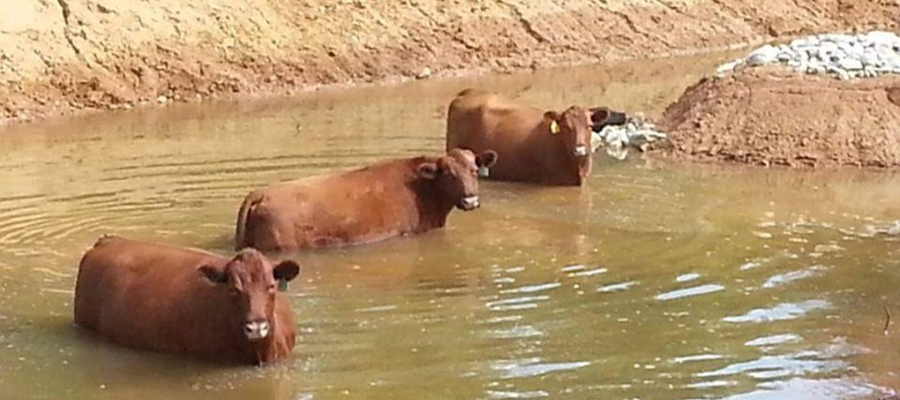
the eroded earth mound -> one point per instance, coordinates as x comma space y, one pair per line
772, 115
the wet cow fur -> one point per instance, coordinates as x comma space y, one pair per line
533, 145
392, 198
185, 301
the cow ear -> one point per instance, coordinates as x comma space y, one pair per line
213, 274
552, 117
286, 270
486, 159
428, 170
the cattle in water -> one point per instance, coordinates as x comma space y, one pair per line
393, 198
185, 301
533, 145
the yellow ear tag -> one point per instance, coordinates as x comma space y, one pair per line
554, 127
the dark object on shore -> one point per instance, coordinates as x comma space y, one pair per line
602, 116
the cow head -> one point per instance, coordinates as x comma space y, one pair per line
251, 281
456, 175
573, 128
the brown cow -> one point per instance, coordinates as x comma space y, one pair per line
551, 147
393, 198
186, 301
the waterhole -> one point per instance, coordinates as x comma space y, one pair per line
655, 280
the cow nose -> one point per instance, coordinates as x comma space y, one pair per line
581, 150
470, 203
256, 330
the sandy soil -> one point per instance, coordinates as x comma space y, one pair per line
773, 116
63, 56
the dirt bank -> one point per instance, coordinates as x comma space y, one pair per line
60, 56
772, 115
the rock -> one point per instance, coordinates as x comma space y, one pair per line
850, 64
844, 56
617, 152
870, 59
424, 74
882, 37
841, 74
756, 60
882, 50
727, 67
837, 38
161, 99
636, 132
763, 55
891, 60
810, 41
815, 69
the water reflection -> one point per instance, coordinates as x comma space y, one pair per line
780, 312
694, 291
810, 389
768, 367
781, 279
774, 340
616, 287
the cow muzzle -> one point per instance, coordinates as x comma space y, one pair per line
581, 151
469, 203
256, 330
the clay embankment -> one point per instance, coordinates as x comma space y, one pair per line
829, 100
62, 56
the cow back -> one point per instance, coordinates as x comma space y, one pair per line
520, 135
360, 206
152, 297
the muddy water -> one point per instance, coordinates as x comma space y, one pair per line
655, 281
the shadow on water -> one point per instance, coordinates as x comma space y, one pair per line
655, 280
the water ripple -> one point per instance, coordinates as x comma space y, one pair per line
533, 288
534, 368
689, 292
590, 272
518, 303
785, 278
808, 389
774, 340
696, 358
778, 366
377, 309
500, 395
711, 384
516, 332
781, 312
616, 287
